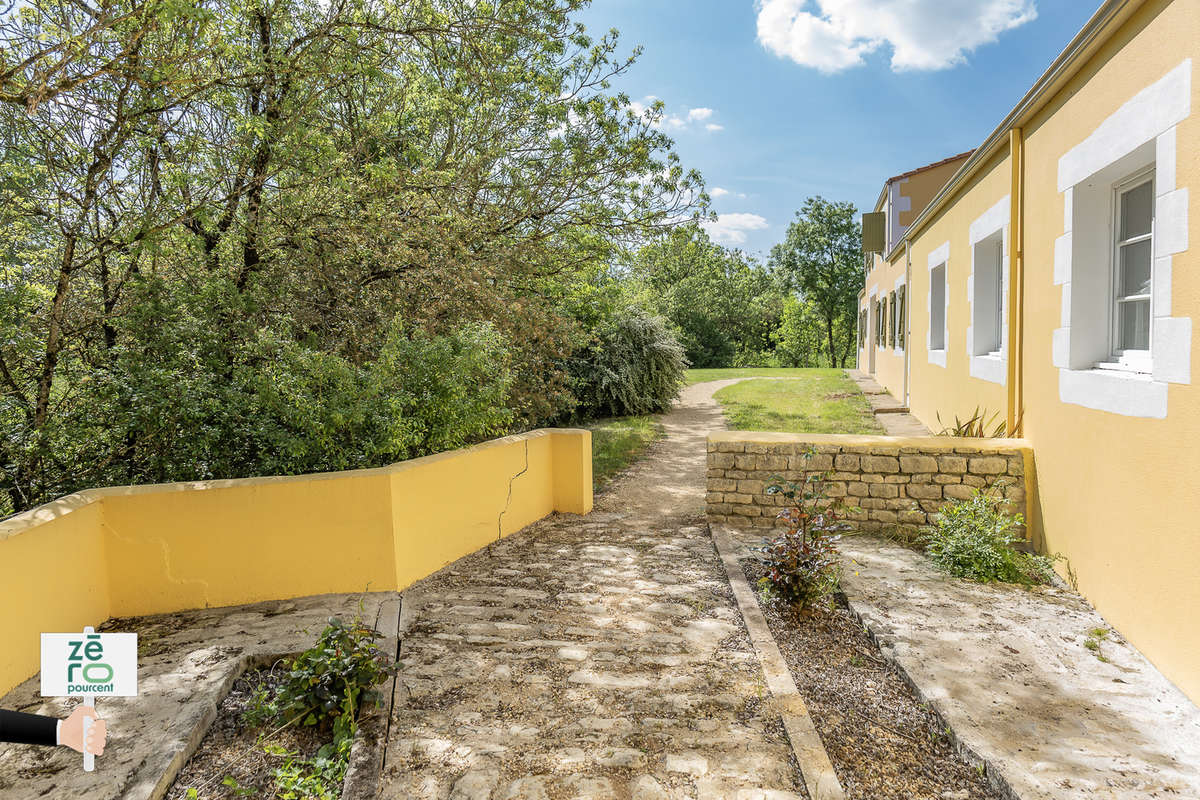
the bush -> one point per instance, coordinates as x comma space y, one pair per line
331, 681
973, 539
802, 564
635, 366
326, 685
450, 390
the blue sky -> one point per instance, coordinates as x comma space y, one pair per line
776, 100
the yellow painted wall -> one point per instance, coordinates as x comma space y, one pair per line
152, 549
889, 361
923, 186
1117, 495
53, 580
951, 391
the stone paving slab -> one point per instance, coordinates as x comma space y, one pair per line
187, 662
584, 658
889, 412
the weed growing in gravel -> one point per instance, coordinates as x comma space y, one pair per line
326, 685
974, 539
1092, 642
802, 564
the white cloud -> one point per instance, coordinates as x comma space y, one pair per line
731, 228
675, 122
833, 35
717, 191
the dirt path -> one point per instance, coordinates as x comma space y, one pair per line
597, 657
669, 481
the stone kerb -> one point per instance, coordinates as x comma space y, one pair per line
897, 484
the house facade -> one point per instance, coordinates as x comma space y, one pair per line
1052, 280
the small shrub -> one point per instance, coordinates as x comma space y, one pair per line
330, 682
635, 366
973, 539
802, 563
333, 679
980, 425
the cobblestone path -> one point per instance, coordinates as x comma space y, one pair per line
591, 657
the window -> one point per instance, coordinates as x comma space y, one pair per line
900, 315
892, 320
1133, 257
1123, 339
862, 328
987, 304
937, 307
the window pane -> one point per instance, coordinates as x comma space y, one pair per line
1135, 269
1133, 325
1137, 210
937, 310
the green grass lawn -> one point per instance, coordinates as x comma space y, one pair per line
617, 443
819, 401
701, 375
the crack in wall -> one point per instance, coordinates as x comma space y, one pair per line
166, 557
508, 501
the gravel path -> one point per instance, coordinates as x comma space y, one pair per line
592, 657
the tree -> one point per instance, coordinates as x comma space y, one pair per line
724, 304
821, 258
218, 218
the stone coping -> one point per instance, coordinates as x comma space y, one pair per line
921, 443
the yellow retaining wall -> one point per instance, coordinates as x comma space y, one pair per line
153, 549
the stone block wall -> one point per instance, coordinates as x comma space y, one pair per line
897, 483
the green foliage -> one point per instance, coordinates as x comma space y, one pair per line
704, 375
317, 778
979, 425
635, 366
204, 268
1093, 643
801, 338
821, 258
176, 401
333, 679
617, 443
802, 564
723, 304
326, 685
974, 539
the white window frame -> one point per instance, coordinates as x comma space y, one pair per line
940, 257
1138, 361
900, 292
1142, 133
991, 366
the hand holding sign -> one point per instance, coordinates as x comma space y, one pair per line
72, 733
88, 665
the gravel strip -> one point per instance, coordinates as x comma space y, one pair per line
883, 742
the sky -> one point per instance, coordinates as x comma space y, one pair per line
777, 100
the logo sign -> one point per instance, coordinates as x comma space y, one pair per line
97, 664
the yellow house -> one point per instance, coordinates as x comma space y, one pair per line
1050, 280
902, 198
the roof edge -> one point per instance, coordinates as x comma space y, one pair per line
1063, 68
